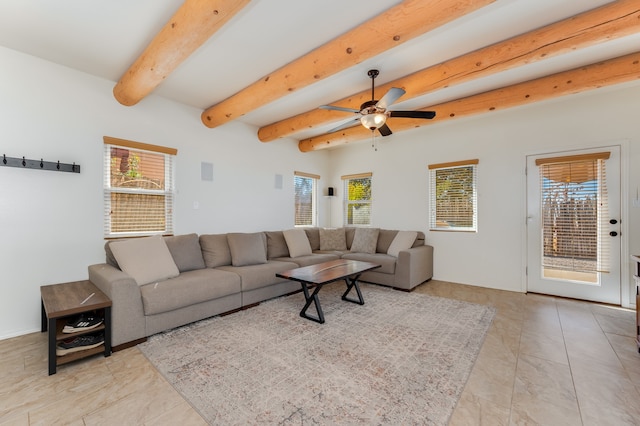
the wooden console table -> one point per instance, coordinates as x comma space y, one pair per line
60, 301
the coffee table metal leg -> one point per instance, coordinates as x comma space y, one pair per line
352, 282
316, 301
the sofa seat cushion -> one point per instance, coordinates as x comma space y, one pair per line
311, 259
387, 263
258, 276
338, 253
188, 289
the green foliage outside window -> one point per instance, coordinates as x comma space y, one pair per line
358, 201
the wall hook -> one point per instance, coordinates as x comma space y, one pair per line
39, 164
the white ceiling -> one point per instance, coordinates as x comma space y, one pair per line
104, 38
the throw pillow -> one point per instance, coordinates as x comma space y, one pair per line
365, 240
146, 260
247, 249
333, 239
186, 252
403, 241
297, 242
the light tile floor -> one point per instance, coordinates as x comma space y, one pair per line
545, 360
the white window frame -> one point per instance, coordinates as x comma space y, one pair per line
314, 198
168, 192
443, 221
361, 202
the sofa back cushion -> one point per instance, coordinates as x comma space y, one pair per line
276, 245
349, 235
215, 250
385, 237
110, 258
247, 249
146, 260
186, 252
365, 240
313, 234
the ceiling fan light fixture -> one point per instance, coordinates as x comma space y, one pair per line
373, 121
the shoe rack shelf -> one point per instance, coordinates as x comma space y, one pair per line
73, 356
61, 301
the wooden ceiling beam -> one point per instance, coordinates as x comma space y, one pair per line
190, 27
608, 22
614, 71
391, 28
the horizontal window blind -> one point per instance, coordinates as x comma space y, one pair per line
453, 196
357, 199
305, 190
575, 213
138, 188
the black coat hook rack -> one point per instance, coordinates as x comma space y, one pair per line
25, 163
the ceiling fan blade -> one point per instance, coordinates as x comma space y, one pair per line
384, 130
413, 114
337, 108
348, 123
390, 97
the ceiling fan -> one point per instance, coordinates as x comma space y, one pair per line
373, 114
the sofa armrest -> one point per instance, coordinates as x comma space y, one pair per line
127, 314
414, 266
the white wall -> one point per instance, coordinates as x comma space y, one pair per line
51, 222
494, 256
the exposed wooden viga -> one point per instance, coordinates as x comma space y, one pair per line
192, 24
387, 30
614, 71
608, 22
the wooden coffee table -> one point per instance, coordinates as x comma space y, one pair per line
325, 273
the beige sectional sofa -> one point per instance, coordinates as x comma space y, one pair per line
158, 283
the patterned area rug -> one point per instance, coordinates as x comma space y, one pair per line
402, 358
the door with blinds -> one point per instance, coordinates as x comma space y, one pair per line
573, 224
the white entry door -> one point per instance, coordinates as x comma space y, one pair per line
573, 224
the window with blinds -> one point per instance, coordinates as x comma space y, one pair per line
453, 196
138, 188
574, 213
305, 198
357, 199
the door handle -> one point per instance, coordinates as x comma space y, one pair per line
613, 221
613, 233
